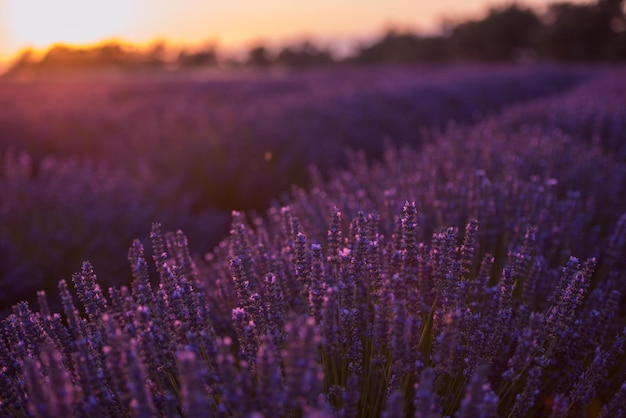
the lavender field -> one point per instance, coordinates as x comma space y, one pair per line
358, 242
87, 166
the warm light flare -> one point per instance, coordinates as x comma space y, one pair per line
234, 24
40, 23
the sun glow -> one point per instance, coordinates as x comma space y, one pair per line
39, 23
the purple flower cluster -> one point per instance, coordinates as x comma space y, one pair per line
85, 165
481, 275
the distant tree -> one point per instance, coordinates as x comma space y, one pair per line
504, 35
204, 58
304, 55
397, 47
583, 32
156, 55
63, 57
25, 61
110, 55
258, 57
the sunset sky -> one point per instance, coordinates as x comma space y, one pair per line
230, 24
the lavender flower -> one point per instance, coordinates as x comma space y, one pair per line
447, 281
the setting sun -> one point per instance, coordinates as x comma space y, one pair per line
41, 23
235, 24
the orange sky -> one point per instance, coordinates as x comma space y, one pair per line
231, 23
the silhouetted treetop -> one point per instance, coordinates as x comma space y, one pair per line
203, 58
396, 47
573, 32
305, 54
258, 56
583, 32
503, 35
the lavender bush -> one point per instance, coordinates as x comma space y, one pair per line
481, 275
75, 210
85, 165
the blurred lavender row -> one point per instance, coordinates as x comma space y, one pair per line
86, 165
480, 275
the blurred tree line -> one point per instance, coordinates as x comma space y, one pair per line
510, 33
